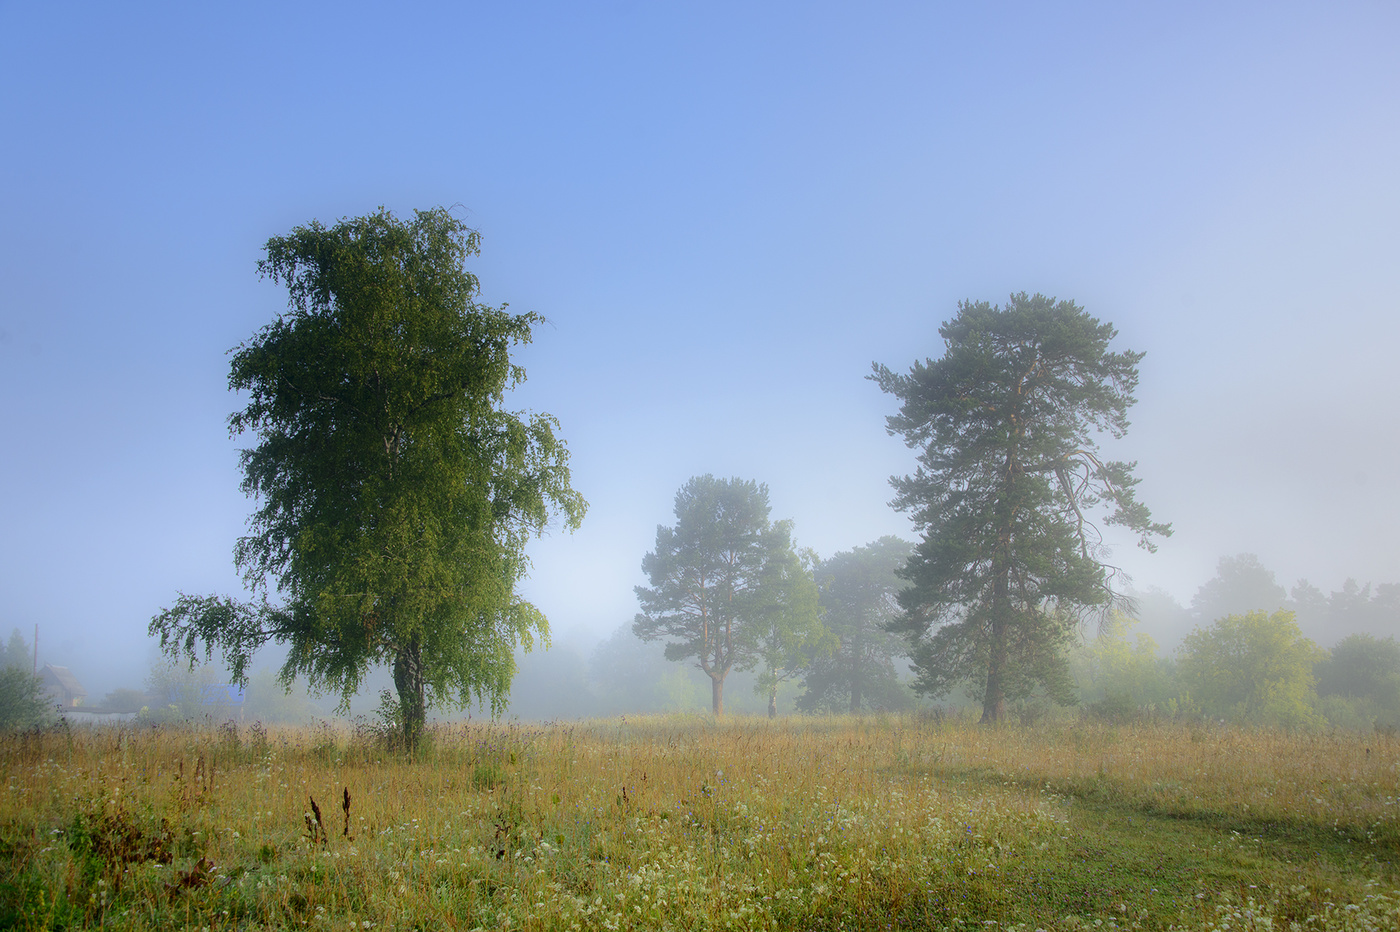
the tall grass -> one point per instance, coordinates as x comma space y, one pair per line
687, 823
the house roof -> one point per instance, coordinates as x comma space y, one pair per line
64, 678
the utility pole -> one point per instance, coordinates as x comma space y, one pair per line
36, 649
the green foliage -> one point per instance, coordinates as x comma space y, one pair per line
24, 703
16, 652
396, 493
124, 699
1359, 682
790, 634
183, 693
1255, 668
1120, 674
1006, 425
859, 593
727, 588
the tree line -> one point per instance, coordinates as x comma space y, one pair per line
1254, 655
1252, 668
1006, 427
395, 494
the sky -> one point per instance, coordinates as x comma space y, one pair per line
726, 212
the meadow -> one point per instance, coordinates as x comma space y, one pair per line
685, 822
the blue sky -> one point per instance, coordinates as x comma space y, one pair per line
727, 212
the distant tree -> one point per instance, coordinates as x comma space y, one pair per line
1357, 609
268, 699
183, 693
1353, 609
716, 578
17, 653
860, 596
1160, 613
1309, 605
789, 633
630, 675
1359, 680
1006, 424
396, 493
552, 684
124, 699
1255, 668
1241, 585
24, 702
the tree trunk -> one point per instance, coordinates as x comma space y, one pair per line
855, 674
717, 693
773, 702
408, 680
994, 700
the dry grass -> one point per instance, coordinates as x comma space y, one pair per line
685, 823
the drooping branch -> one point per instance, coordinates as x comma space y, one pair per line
200, 625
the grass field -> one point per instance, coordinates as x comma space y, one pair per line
689, 823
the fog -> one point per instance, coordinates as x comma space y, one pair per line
727, 215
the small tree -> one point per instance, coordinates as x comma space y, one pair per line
17, 653
1007, 423
396, 493
790, 634
1120, 674
717, 577
1255, 668
860, 596
24, 703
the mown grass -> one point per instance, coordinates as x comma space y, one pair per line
688, 823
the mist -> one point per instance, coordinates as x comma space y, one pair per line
727, 215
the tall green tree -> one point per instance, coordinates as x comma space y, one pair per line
717, 579
1006, 424
860, 597
395, 491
